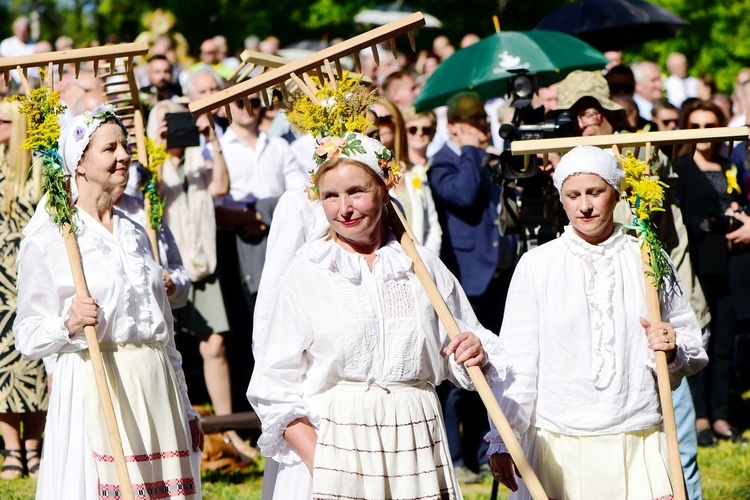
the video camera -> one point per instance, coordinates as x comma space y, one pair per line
538, 205
528, 123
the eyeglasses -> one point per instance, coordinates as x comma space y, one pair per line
254, 103
590, 117
423, 130
702, 125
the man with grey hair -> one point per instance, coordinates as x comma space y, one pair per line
648, 86
679, 85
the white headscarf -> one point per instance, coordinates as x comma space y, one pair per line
73, 140
589, 160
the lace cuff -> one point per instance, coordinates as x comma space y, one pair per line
272, 443
496, 443
679, 362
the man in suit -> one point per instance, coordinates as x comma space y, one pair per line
474, 250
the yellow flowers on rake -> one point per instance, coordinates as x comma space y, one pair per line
42, 107
646, 195
342, 109
150, 177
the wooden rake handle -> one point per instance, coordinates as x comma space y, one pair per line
665, 388
79, 280
477, 377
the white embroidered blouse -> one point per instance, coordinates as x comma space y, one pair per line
335, 320
579, 358
121, 275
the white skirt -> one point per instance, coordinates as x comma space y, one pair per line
382, 443
625, 466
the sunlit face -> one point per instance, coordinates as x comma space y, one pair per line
419, 133
353, 202
106, 160
589, 203
203, 85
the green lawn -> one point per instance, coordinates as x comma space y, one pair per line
725, 472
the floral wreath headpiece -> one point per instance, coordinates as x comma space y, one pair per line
338, 123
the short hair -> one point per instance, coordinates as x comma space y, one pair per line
158, 57
409, 113
396, 75
189, 86
662, 104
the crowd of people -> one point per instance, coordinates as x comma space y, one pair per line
315, 305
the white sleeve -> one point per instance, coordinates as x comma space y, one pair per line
39, 328
677, 311
495, 367
520, 336
286, 236
433, 238
281, 363
170, 256
294, 177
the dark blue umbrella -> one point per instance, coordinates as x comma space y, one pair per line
613, 24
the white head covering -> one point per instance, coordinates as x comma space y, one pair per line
589, 160
361, 148
75, 137
354, 146
73, 140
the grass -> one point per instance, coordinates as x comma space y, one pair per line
725, 474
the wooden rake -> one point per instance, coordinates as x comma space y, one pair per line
258, 62
637, 141
322, 64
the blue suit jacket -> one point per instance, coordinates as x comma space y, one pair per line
466, 202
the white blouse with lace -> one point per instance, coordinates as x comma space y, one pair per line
121, 275
579, 358
334, 320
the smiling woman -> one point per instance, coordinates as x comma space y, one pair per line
345, 374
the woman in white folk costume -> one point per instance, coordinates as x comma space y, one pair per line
161, 433
344, 377
582, 396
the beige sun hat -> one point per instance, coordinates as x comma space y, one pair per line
580, 85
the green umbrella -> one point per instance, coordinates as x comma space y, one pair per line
483, 67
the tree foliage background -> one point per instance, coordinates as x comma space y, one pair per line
715, 41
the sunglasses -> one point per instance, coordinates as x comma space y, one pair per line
670, 121
423, 130
702, 125
385, 120
254, 103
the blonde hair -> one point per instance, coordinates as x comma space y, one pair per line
410, 113
16, 160
399, 131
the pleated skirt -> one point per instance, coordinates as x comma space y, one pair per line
628, 466
152, 423
382, 443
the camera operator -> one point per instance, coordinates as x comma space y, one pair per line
467, 203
